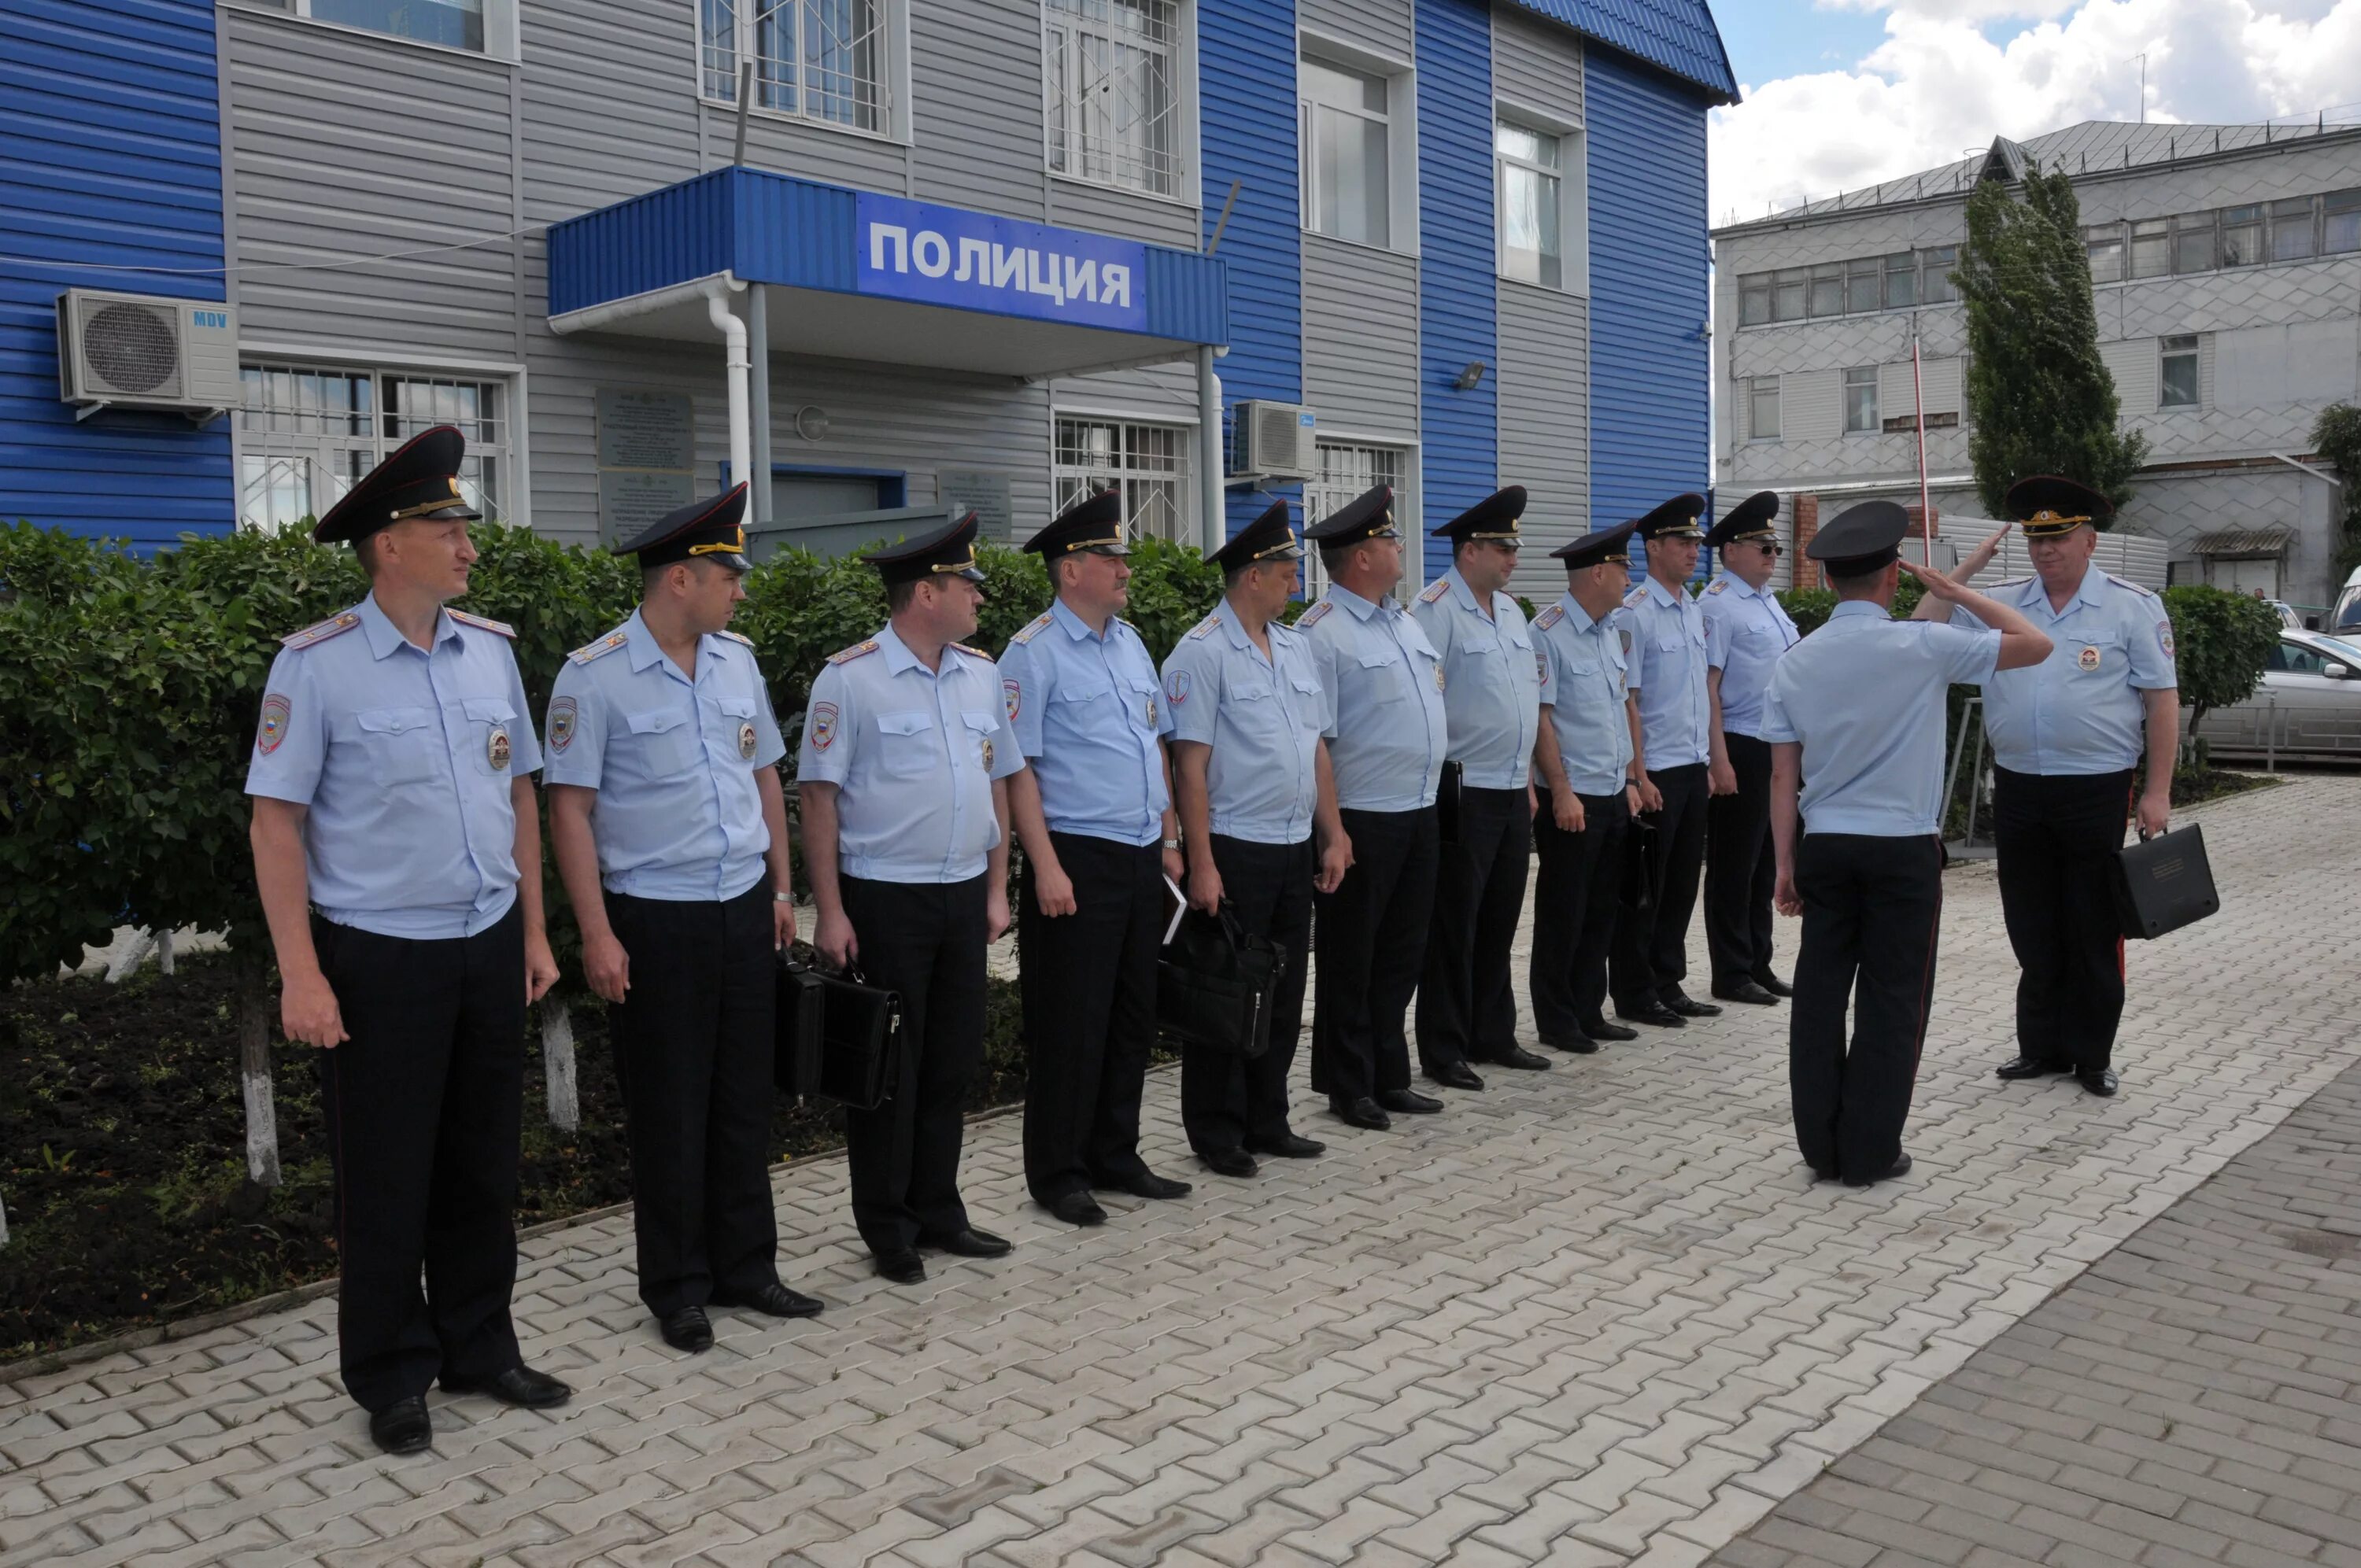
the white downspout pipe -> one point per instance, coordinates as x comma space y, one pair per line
733, 335
1212, 523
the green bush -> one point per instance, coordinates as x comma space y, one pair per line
2222, 641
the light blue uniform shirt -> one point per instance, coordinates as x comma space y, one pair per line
1263, 717
2080, 710
679, 814
1388, 734
1492, 674
1088, 710
1667, 662
1865, 696
912, 753
1582, 686
1746, 630
403, 758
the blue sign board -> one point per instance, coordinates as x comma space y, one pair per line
971, 261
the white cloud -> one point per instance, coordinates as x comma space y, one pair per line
1941, 84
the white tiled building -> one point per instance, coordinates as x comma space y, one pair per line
2226, 266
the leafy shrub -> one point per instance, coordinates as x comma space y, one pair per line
2222, 641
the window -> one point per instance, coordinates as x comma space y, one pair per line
2176, 381
2340, 223
1863, 285
1151, 462
2152, 248
1539, 205
1935, 288
1345, 472
304, 434
1828, 288
479, 27
818, 60
2241, 236
2192, 243
1763, 408
1114, 78
2292, 230
1754, 300
1347, 178
2104, 243
1787, 294
1901, 280
1861, 401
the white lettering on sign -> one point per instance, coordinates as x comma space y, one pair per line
930, 254
935, 256
1115, 284
878, 234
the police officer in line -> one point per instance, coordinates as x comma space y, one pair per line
1094, 814
1590, 725
671, 832
1667, 651
1854, 716
396, 852
903, 778
1387, 736
2066, 740
1746, 630
1258, 821
1491, 672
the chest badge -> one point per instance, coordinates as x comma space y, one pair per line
1438, 677
746, 740
987, 755
1151, 711
1541, 664
496, 749
2088, 658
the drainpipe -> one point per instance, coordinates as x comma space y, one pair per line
758, 330
733, 335
1213, 496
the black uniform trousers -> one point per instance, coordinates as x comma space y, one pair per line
1871, 909
1089, 979
926, 941
2058, 835
1371, 938
696, 1033
1740, 868
1651, 954
1575, 908
1227, 1099
1465, 1008
423, 1104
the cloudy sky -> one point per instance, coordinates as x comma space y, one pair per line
1840, 93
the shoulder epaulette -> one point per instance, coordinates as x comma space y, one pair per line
482, 622
1549, 617
320, 631
856, 651
1314, 616
1032, 628
1636, 598
599, 650
1435, 590
2124, 583
1205, 629
972, 653
1719, 586
736, 637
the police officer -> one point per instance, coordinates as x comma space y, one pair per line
1667, 650
1387, 737
1746, 630
1589, 727
1251, 773
903, 777
2067, 738
397, 851
1492, 677
671, 832
1094, 814
1854, 716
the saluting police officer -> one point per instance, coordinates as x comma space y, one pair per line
671, 832
1094, 814
1251, 773
903, 777
1492, 679
397, 850
2067, 738
1387, 737
1854, 716
1746, 630
1667, 653
1590, 725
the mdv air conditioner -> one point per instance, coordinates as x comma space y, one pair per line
1277, 441
141, 351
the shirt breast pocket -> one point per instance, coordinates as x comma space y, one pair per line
1380, 676
738, 728
399, 744
907, 746
980, 727
491, 734
663, 740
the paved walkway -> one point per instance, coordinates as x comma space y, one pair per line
1597, 1315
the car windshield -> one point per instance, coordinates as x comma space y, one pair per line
2349, 610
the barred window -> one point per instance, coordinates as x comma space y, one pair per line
1148, 462
1113, 74
818, 60
303, 434
1346, 474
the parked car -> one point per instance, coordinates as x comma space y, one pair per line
2307, 706
2346, 616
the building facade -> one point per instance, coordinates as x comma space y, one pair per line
885, 255
2226, 264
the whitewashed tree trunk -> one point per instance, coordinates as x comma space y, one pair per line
558, 1063
164, 951
4, 1225
131, 951
254, 1075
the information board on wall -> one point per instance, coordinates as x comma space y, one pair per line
985, 493
647, 459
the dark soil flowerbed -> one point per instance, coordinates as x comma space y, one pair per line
2193, 788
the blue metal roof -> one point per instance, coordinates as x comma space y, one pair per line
1675, 36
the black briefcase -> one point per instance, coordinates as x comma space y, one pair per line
2164, 882
802, 1018
1214, 982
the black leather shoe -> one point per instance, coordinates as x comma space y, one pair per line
2029, 1066
1361, 1112
1604, 1033
1229, 1162
1824, 1173
1457, 1075
1689, 1007
2098, 1080
968, 1242
1580, 1045
1408, 1103
402, 1427
1901, 1167
775, 1300
1288, 1145
901, 1265
1521, 1059
1078, 1209
1748, 991
1774, 984
1148, 1184
1655, 1012
518, 1386
688, 1329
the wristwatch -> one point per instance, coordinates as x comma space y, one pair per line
1172, 844
783, 898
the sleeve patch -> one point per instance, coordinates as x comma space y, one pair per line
856, 651
320, 631
1435, 590
1012, 698
1176, 687
562, 716
823, 726
2164, 637
484, 623
276, 711
599, 650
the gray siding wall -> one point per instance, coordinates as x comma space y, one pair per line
1383, 27
611, 106
975, 72
1536, 64
1360, 338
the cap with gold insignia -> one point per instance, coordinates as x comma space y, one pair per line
420, 480
1676, 518
2047, 506
1591, 549
946, 550
1493, 518
1748, 521
1859, 540
711, 530
1093, 524
1369, 515
1267, 538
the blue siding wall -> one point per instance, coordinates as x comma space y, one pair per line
1245, 52
108, 114
1458, 305
1649, 377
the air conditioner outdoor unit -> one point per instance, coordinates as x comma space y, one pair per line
141, 351
1277, 441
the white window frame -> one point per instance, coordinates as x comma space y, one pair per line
1849, 385
276, 434
1349, 465
1573, 176
1401, 138
2192, 348
1752, 385
500, 28
1068, 479
892, 70
1181, 185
